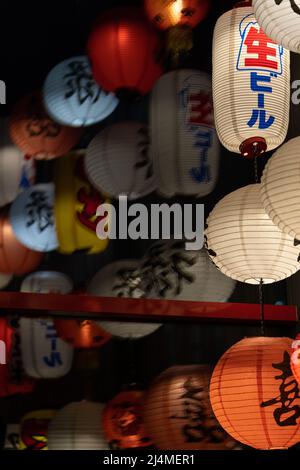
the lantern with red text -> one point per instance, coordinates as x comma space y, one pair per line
177, 411
123, 423
34, 428
82, 334
251, 85
36, 134
254, 394
124, 51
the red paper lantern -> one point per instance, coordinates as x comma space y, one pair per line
82, 334
123, 423
168, 13
124, 51
14, 257
36, 134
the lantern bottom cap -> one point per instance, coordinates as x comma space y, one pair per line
253, 147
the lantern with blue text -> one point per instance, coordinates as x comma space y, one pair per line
73, 98
82, 334
36, 134
251, 85
254, 394
177, 411
87, 434
184, 143
123, 422
32, 218
124, 50
280, 20
34, 428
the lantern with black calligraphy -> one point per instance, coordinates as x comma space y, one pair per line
36, 134
73, 98
177, 411
251, 85
123, 422
280, 20
118, 162
254, 394
34, 428
184, 143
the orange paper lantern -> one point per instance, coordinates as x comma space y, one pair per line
178, 414
123, 423
36, 134
168, 13
254, 394
14, 257
82, 334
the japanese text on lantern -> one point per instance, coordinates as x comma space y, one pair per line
262, 58
54, 358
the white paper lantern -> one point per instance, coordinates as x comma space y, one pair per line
184, 143
121, 279
16, 173
77, 426
73, 98
47, 282
32, 218
245, 244
117, 161
5, 280
280, 188
251, 85
280, 20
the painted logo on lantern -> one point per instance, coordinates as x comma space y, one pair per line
262, 57
198, 120
53, 359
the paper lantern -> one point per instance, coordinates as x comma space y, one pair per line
123, 423
121, 279
76, 203
254, 394
86, 435
171, 272
47, 282
251, 85
36, 134
280, 20
14, 257
16, 172
124, 51
166, 14
280, 188
177, 411
118, 162
245, 244
12, 378
72, 97
5, 280
184, 144
34, 428
295, 358
32, 218
82, 334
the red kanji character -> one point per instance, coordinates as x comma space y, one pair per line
260, 45
201, 109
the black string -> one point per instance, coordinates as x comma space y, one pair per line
256, 169
262, 308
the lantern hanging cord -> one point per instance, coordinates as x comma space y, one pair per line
256, 169
262, 308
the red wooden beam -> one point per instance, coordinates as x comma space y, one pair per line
84, 306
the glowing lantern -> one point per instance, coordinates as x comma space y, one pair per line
168, 13
32, 218
177, 411
72, 97
16, 173
280, 20
14, 257
184, 144
123, 423
245, 244
117, 161
36, 134
86, 435
251, 85
254, 394
124, 51
280, 188
82, 334
121, 279
76, 203
34, 428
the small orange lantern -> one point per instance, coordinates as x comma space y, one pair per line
122, 421
254, 394
36, 134
14, 257
166, 14
178, 414
82, 334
